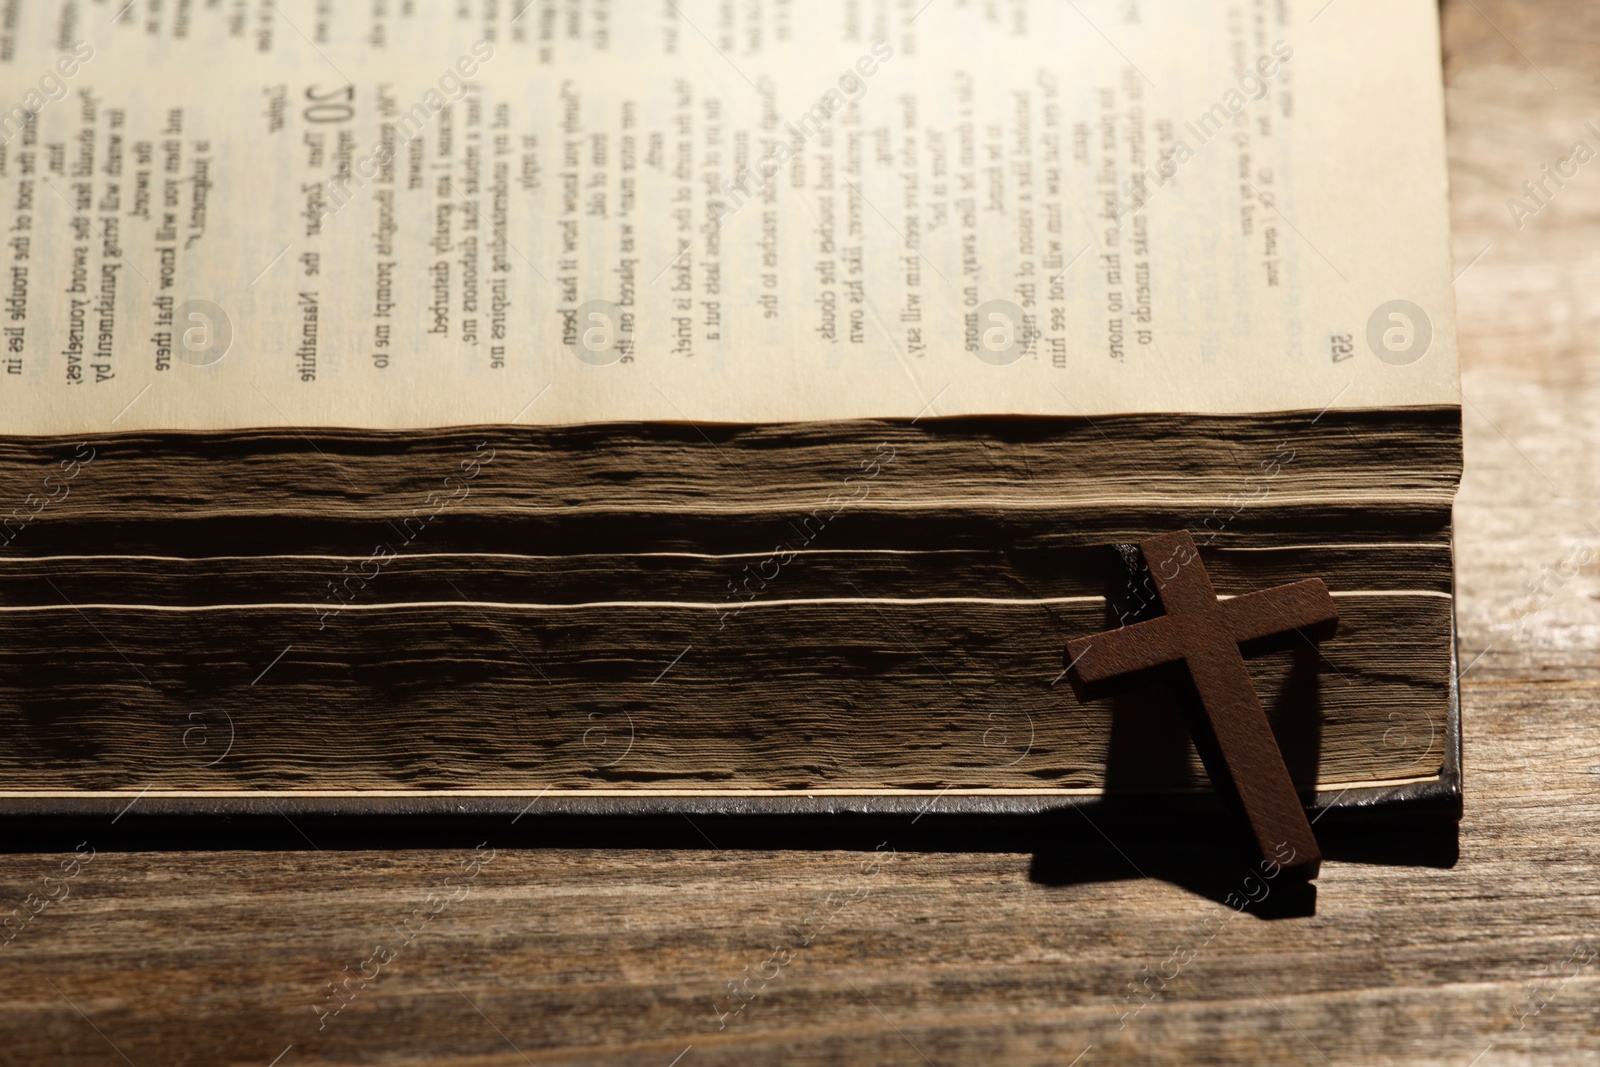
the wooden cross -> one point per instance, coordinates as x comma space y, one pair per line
1204, 634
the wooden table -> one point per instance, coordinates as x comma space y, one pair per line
568, 955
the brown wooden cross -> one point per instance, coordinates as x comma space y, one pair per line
1204, 634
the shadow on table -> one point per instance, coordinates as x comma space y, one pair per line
1222, 866
1205, 853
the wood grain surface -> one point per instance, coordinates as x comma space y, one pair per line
565, 955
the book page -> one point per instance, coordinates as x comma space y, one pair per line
387, 215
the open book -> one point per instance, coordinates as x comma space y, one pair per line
709, 406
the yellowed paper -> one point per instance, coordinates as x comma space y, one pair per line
303, 214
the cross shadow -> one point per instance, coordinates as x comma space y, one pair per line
1206, 861
1214, 859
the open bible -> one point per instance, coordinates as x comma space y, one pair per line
710, 407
